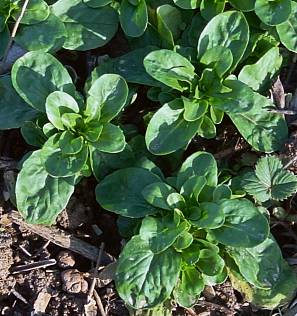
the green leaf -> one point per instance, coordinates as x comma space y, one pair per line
259, 75
133, 18
189, 287
86, 27
157, 193
129, 66
210, 263
211, 217
193, 186
261, 266
168, 131
287, 30
110, 93
219, 58
207, 129
36, 11
59, 164
33, 134
13, 110
183, 241
40, 197
194, 109
244, 225
97, 3
211, 8
281, 293
247, 5
127, 200
188, 4
191, 254
46, 36
169, 19
111, 140
57, 104
218, 33
176, 201
170, 68
144, 279
161, 233
216, 115
264, 131
70, 144
36, 75
273, 12
71, 120
270, 180
221, 192
198, 164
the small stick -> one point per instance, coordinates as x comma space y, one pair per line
19, 296
25, 251
38, 252
99, 303
15, 28
60, 238
190, 311
290, 162
33, 266
280, 111
95, 274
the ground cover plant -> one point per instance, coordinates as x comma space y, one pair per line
141, 124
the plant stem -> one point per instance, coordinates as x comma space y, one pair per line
15, 28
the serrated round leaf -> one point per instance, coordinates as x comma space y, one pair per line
270, 180
244, 225
86, 27
273, 12
58, 103
157, 193
144, 279
219, 33
261, 266
170, 68
36, 12
111, 140
127, 199
110, 93
287, 30
168, 131
46, 36
40, 197
14, 111
189, 287
198, 164
133, 18
36, 75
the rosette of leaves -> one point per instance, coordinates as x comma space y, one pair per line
70, 129
197, 94
191, 231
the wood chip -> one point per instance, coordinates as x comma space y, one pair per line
41, 302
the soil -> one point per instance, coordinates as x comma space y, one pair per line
61, 287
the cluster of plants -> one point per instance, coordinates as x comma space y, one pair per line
191, 67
